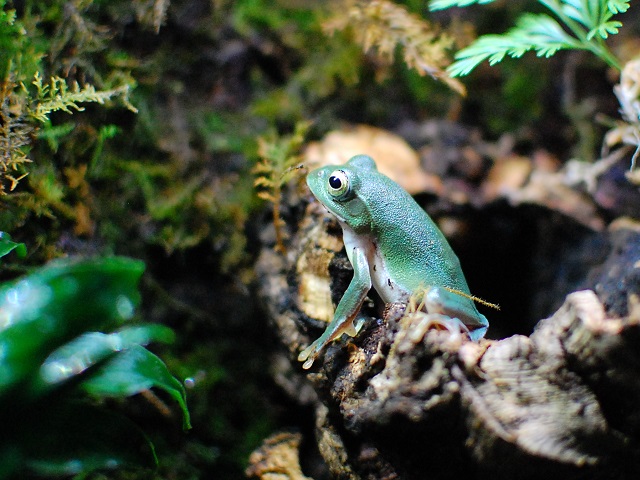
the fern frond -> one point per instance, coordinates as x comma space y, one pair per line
583, 25
618, 6
263, 182
442, 4
262, 167
14, 180
265, 195
538, 32
277, 165
15, 137
587, 13
21, 108
604, 30
381, 26
57, 95
595, 16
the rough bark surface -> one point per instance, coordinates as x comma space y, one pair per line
403, 401
277, 458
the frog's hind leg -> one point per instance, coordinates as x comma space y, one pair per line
333, 332
438, 321
459, 310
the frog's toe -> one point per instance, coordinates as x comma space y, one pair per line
307, 365
304, 354
455, 326
442, 322
308, 355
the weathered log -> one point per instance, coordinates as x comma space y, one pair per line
401, 400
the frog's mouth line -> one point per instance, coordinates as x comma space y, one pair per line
340, 219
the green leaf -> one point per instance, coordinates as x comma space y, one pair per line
85, 351
145, 334
618, 6
44, 310
7, 246
595, 15
586, 12
132, 371
537, 32
604, 30
585, 24
442, 4
73, 438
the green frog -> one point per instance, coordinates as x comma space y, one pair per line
394, 247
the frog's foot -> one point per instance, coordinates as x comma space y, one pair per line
333, 332
437, 321
309, 354
463, 315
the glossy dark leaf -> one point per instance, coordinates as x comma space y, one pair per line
85, 351
7, 246
132, 371
44, 310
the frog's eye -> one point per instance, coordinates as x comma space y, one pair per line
338, 184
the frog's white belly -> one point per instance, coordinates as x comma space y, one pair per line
389, 290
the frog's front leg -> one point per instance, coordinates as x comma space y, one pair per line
346, 311
459, 312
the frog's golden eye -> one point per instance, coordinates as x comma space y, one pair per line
338, 184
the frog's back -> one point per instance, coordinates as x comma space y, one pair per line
416, 252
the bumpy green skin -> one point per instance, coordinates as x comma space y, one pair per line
393, 245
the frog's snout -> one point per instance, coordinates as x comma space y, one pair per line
318, 174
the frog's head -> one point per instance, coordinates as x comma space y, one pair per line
345, 189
